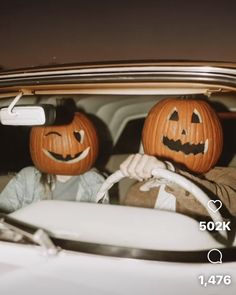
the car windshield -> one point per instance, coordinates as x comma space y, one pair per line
126, 221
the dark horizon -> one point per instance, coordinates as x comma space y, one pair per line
52, 32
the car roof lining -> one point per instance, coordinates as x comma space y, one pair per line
121, 88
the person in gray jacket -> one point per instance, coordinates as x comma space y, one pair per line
63, 157
27, 187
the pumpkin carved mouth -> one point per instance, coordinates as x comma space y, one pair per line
186, 148
68, 159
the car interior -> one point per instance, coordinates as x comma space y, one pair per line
118, 119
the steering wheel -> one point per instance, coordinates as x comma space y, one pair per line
172, 177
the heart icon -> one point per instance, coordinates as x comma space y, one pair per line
214, 205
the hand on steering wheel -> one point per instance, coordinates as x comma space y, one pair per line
140, 166
159, 172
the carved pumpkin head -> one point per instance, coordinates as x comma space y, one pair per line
66, 149
185, 131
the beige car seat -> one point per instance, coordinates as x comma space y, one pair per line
4, 179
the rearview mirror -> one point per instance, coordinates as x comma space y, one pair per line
28, 115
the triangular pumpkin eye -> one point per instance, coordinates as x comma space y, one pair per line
174, 116
196, 118
79, 136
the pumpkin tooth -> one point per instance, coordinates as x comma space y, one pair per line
206, 146
82, 156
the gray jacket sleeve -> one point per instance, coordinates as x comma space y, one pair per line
20, 190
91, 182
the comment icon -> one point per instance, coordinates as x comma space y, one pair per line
214, 256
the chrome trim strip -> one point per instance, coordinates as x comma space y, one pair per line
121, 69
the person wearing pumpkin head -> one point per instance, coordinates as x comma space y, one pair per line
184, 136
63, 156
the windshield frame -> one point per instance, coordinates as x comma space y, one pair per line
229, 253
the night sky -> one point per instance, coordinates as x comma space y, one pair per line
47, 32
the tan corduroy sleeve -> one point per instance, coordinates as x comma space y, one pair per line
219, 183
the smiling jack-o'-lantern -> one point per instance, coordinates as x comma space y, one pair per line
185, 131
67, 149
